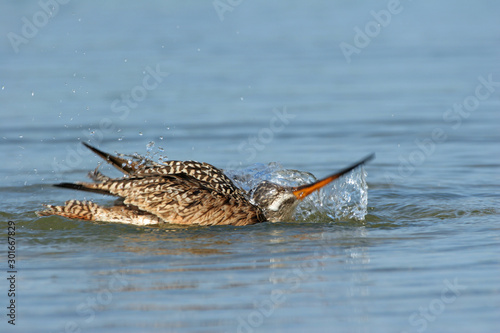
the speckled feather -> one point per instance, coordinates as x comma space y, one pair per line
181, 192
136, 166
87, 210
205, 172
180, 199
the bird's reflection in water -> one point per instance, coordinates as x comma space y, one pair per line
282, 264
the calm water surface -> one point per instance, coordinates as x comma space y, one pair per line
268, 83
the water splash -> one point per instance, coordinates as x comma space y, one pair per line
348, 197
155, 153
150, 146
344, 198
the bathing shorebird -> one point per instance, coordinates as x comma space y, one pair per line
183, 192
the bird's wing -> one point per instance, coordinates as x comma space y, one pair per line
178, 198
205, 172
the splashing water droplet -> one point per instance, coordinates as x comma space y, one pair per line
150, 146
345, 198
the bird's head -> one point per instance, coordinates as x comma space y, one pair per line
279, 202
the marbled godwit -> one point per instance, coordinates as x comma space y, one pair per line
183, 192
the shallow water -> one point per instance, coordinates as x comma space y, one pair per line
269, 83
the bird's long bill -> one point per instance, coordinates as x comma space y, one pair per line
303, 191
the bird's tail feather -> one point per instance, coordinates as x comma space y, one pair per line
83, 187
124, 165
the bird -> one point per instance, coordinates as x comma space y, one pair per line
184, 193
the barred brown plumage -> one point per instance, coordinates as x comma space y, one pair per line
182, 192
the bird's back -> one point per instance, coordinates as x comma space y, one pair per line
181, 192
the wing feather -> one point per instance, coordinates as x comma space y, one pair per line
180, 199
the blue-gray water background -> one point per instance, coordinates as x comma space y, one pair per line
410, 87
